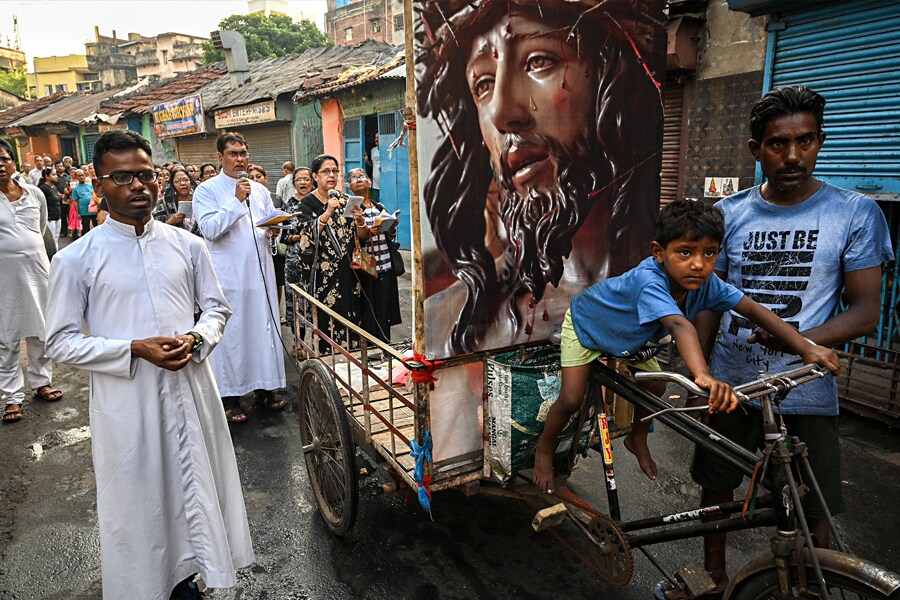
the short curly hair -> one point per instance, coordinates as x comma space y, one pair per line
783, 102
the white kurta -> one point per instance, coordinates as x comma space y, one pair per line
24, 268
250, 356
169, 499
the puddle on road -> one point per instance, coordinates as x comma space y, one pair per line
59, 439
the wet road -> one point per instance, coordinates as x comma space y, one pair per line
477, 547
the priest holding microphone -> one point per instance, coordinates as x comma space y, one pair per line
249, 357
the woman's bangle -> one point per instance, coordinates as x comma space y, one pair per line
321, 222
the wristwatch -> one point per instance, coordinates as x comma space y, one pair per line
198, 340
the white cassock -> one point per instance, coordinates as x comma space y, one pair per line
249, 356
169, 499
24, 270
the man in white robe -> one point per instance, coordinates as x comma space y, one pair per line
249, 357
24, 272
169, 501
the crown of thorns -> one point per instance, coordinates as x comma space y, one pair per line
445, 27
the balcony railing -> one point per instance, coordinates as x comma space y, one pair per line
147, 57
186, 51
111, 61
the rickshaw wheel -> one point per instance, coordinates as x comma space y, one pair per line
613, 558
328, 447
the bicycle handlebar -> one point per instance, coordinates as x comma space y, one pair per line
761, 386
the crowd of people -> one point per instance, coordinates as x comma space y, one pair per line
206, 264
203, 326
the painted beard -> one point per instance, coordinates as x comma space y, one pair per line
541, 224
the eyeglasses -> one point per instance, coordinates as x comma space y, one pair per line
5, 159
234, 154
303, 180
126, 177
181, 180
330, 171
358, 178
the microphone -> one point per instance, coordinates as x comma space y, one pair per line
333, 194
243, 175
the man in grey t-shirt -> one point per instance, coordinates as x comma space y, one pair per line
792, 244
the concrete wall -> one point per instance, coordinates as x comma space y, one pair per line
733, 43
306, 129
333, 131
58, 70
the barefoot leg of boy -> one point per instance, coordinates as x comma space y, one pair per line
636, 441
571, 397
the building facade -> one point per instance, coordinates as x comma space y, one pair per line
349, 22
52, 74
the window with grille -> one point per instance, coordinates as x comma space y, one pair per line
89, 141
387, 123
398, 22
351, 128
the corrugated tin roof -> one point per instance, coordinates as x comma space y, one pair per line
387, 62
74, 109
398, 72
17, 112
168, 89
271, 77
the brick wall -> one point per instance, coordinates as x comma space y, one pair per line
358, 17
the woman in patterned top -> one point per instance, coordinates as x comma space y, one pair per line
303, 184
180, 189
326, 243
380, 301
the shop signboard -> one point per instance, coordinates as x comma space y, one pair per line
249, 114
179, 117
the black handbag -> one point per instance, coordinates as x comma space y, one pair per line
397, 266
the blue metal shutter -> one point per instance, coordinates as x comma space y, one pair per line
850, 53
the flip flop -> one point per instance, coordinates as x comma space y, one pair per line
51, 396
267, 399
234, 413
12, 413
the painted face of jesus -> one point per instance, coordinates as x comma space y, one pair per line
526, 78
535, 94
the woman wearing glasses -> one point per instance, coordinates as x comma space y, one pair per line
180, 189
303, 184
380, 301
326, 241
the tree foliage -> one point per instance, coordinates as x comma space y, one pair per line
14, 82
275, 35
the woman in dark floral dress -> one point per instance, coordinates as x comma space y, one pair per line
326, 242
303, 184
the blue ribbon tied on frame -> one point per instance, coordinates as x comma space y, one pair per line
422, 454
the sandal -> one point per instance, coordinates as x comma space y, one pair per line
12, 413
267, 399
234, 413
50, 395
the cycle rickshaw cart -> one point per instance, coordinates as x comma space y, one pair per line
346, 404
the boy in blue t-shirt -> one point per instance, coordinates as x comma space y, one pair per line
660, 296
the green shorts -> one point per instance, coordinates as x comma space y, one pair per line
573, 354
819, 432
